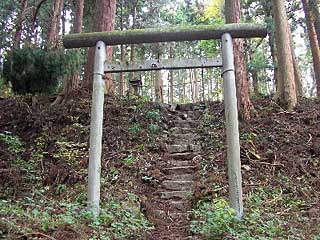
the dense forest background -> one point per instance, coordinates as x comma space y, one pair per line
33, 60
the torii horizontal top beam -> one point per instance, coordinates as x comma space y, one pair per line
165, 34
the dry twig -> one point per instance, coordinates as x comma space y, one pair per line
37, 234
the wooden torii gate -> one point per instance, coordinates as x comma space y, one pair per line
224, 32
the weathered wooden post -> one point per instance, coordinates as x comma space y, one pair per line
232, 126
96, 125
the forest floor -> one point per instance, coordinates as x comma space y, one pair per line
44, 158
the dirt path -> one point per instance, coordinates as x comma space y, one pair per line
170, 205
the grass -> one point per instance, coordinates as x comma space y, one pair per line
48, 209
119, 218
269, 214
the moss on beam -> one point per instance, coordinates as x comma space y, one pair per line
165, 34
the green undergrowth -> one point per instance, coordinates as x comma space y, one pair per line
44, 186
14, 143
53, 208
119, 218
269, 214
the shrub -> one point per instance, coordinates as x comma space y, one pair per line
33, 70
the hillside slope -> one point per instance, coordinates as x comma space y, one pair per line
44, 157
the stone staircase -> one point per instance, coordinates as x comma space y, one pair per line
172, 201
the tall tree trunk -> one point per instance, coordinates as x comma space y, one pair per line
183, 89
159, 87
255, 83
122, 50
104, 21
132, 47
297, 72
314, 84
53, 30
203, 85
74, 81
286, 86
18, 27
191, 85
64, 19
209, 85
297, 75
122, 84
158, 78
313, 43
314, 7
233, 15
171, 87
269, 15
196, 85
217, 88
131, 74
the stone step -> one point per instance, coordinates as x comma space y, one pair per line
179, 116
194, 147
177, 185
175, 195
183, 156
187, 138
185, 123
177, 148
179, 163
179, 205
181, 148
190, 136
181, 177
185, 141
179, 130
179, 170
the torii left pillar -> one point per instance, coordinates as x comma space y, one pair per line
96, 127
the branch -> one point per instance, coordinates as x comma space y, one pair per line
35, 15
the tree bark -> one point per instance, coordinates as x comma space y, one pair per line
196, 85
233, 15
191, 85
131, 74
208, 83
158, 78
18, 28
132, 47
104, 21
313, 43
122, 50
35, 14
171, 87
122, 84
63, 19
203, 85
315, 5
269, 14
53, 30
74, 81
183, 89
286, 83
314, 84
297, 72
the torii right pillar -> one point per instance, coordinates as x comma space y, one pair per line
232, 126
